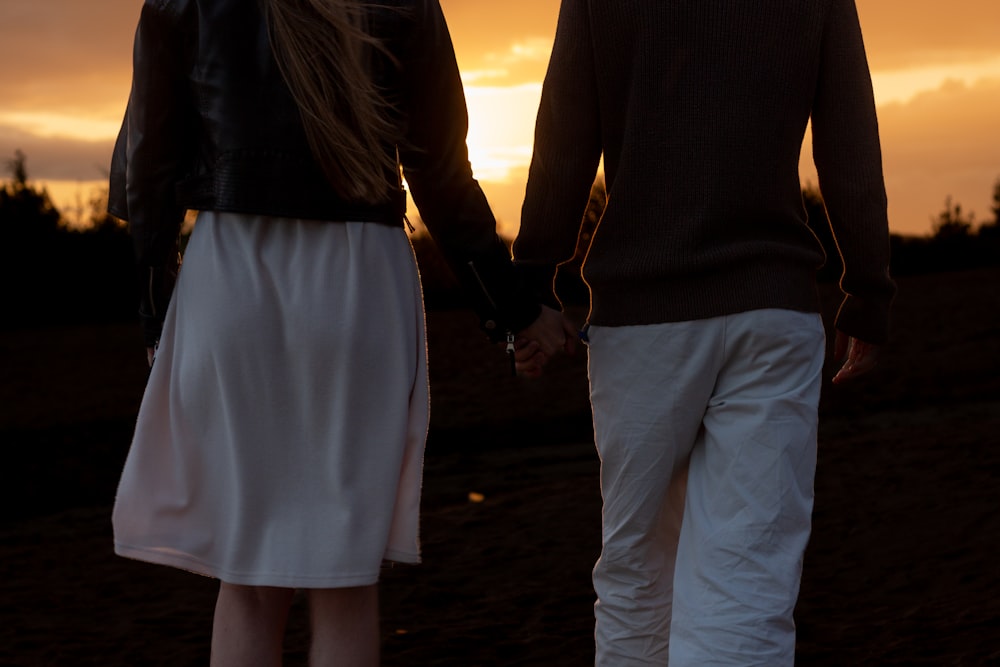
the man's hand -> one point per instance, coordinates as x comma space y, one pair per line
859, 357
549, 334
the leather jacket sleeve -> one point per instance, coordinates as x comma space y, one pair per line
153, 152
436, 166
160, 148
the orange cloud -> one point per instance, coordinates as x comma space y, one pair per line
57, 158
505, 42
915, 33
66, 56
944, 142
68, 65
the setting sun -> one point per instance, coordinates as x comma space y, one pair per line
56, 125
501, 128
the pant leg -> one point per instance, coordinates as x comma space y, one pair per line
750, 495
649, 387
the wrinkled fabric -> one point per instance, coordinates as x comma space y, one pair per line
707, 436
280, 438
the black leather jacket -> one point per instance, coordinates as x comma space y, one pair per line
211, 125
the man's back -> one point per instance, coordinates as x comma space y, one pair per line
699, 109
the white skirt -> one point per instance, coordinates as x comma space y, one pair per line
280, 438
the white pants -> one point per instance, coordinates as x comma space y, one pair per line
707, 436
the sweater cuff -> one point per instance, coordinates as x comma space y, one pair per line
539, 279
864, 319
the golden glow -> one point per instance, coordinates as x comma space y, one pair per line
501, 129
470, 78
48, 124
73, 198
936, 75
901, 86
534, 49
519, 62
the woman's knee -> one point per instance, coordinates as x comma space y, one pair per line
257, 599
337, 601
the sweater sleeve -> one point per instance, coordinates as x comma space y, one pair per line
566, 154
848, 160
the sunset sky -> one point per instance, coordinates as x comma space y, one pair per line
936, 70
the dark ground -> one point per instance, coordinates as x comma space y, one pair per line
901, 569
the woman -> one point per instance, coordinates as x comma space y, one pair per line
280, 439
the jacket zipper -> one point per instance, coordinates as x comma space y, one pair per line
482, 286
152, 300
493, 303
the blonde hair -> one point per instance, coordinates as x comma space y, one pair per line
325, 54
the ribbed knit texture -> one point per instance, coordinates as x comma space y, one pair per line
699, 108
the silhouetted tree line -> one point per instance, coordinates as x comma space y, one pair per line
956, 242
52, 274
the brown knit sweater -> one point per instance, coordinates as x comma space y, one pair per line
699, 108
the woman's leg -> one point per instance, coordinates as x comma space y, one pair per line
249, 626
345, 627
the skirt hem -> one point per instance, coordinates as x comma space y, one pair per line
188, 563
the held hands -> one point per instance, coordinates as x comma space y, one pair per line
549, 334
859, 357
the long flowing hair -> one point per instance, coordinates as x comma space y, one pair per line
325, 54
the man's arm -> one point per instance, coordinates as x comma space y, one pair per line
566, 154
848, 159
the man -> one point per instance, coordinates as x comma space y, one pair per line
706, 347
